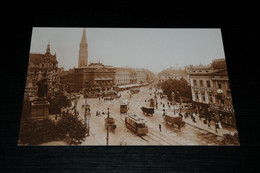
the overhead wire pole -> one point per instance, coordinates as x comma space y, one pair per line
87, 114
107, 126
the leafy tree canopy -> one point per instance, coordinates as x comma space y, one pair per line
180, 88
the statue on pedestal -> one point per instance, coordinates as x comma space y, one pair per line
40, 106
42, 88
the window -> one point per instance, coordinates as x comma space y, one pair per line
210, 98
203, 97
195, 82
219, 85
197, 96
201, 82
208, 84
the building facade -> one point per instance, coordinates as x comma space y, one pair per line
123, 76
211, 93
94, 77
171, 73
41, 66
201, 84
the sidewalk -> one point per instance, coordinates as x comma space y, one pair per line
199, 124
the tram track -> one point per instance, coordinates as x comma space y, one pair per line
151, 137
138, 100
154, 136
118, 118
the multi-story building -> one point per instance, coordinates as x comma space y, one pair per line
41, 66
141, 76
211, 91
171, 73
95, 76
123, 76
201, 84
132, 76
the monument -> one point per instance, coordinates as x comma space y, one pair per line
40, 106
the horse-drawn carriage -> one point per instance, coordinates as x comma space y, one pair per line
110, 122
174, 120
148, 110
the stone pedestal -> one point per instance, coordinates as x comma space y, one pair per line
40, 108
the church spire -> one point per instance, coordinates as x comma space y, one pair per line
48, 50
83, 50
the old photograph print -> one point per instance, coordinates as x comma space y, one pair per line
127, 87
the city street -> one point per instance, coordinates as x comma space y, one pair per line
169, 135
116, 101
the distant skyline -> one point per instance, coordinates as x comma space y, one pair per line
152, 49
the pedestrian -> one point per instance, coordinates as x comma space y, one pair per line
96, 113
194, 120
209, 123
55, 116
160, 127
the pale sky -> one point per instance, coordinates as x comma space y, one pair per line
153, 49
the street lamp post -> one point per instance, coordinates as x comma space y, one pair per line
230, 124
87, 114
107, 126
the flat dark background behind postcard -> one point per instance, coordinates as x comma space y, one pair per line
237, 31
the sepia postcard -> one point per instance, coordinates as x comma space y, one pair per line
127, 87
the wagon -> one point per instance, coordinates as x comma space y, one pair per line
174, 120
148, 110
109, 122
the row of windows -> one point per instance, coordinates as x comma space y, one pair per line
101, 82
35, 72
122, 80
208, 84
203, 97
201, 83
35, 77
46, 65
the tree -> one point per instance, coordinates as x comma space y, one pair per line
59, 101
180, 88
73, 127
34, 132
